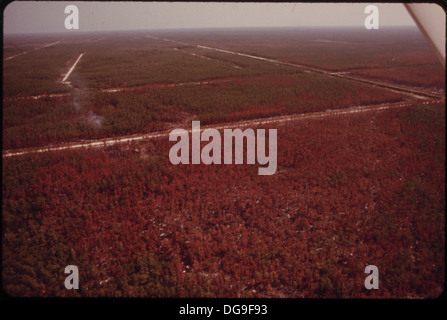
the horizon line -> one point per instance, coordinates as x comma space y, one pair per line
74, 32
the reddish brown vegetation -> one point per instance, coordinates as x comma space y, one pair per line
349, 192
93, 115
421, 76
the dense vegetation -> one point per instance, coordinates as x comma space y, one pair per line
349, 192
401, 55
146, 57
160, 79
428, 76
89, 115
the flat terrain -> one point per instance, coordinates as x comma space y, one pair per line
151, 81
360, 179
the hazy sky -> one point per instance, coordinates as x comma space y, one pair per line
46, 16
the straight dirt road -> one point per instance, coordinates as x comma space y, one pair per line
64, 80
240, 124
25, 52
414, 93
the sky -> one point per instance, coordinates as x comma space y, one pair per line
49, 16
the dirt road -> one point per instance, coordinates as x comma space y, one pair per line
411, 92
25, 52
206, 58
64, 80
233, 125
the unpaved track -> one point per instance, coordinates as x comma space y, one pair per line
240, 124
25, 52
411, 92
64, 80
192, 54
414, 93
206, 58
126, 89
166, 85
55, 95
